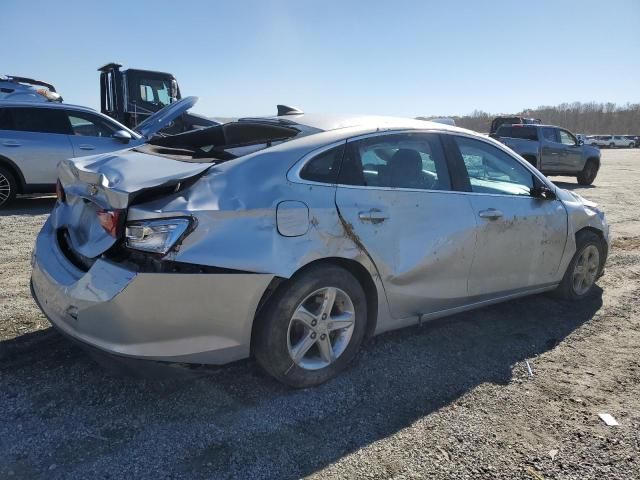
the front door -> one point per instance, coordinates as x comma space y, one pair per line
520, 239
551, 151
572, 153
395, 197
92, 134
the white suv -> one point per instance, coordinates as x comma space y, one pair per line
611, 141
35, 137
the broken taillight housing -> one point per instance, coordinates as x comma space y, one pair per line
61, 196
156, 236
111, 221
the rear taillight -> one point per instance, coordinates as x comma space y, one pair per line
111, 221
60, 192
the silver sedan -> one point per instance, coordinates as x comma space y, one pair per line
294, 238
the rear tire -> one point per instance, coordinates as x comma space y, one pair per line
588, 173
585, 267
312, 329
8, 187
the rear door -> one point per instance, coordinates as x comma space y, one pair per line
395, 194
92, 134
520, 239
36, 140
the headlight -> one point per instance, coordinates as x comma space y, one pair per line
156, 236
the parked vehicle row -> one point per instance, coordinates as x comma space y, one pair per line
612, 141
552, 150
294, 238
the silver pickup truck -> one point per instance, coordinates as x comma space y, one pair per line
552, 150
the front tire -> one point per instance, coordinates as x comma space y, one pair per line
588, 173
8, 187
312, 329
585, 267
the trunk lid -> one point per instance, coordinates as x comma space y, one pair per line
162, 118
95, 186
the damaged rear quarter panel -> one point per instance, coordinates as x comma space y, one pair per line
235, 206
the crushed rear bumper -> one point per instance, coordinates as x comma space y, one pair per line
192, 318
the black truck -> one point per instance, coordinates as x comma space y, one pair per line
130, 96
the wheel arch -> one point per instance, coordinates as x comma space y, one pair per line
278, 284
593, 159
14, 170
600, 235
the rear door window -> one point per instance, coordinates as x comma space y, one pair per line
40, 120
6, 122
550, 135
410, 160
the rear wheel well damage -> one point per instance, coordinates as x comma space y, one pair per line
13, 170
279, 284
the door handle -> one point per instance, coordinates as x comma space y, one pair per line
11, 143
555, 153
86, 147
375, 215
490, 213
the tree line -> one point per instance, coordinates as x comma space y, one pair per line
588, 118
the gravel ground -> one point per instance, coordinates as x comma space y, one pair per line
450, 399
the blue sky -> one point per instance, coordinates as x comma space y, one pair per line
386, 57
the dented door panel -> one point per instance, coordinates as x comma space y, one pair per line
520, 248
422, 250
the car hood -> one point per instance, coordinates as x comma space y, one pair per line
162, 118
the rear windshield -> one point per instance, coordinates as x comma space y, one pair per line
528, 133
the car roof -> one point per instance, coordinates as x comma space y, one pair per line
328, 122
64, 106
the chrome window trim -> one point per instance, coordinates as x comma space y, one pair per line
293, 175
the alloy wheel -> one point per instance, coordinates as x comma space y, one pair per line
585, 270
320, 329
5, 189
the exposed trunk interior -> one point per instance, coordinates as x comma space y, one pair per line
220, 142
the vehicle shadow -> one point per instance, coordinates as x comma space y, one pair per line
234, 421
29, 205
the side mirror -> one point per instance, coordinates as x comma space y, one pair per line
543, 192
580, 142
122, 136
